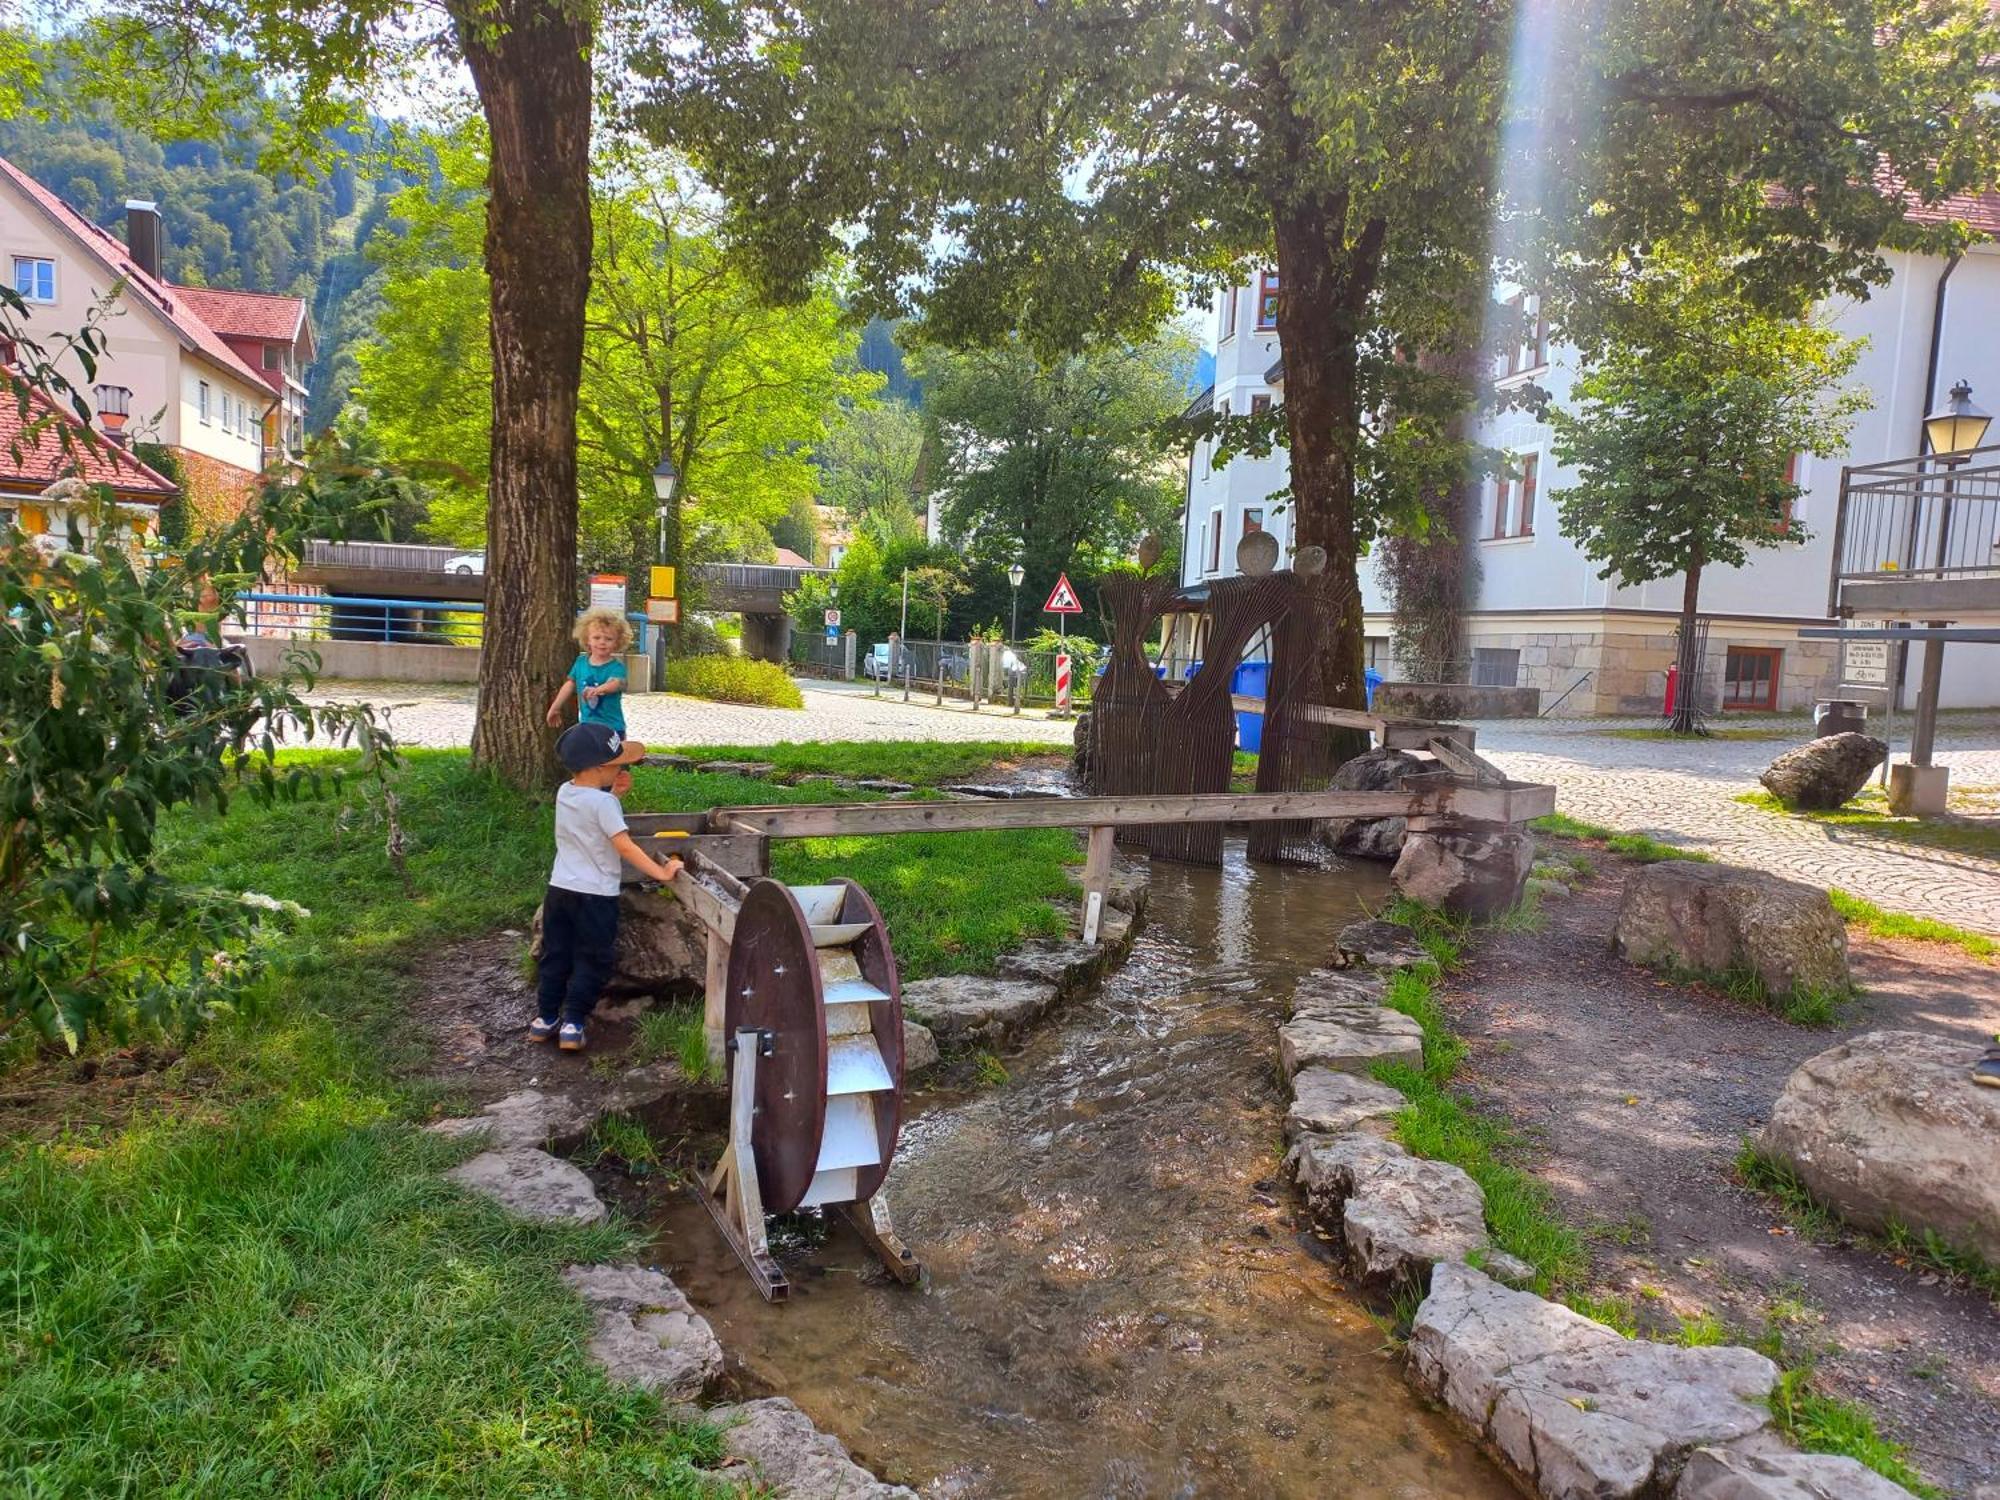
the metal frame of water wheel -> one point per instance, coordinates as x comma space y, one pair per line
775, 1025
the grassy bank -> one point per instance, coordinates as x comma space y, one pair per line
1869, 814
239, 1273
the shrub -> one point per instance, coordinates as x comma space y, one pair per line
734, 679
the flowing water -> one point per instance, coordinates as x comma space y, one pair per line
1119, 1301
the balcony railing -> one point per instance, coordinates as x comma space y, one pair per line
1917, 519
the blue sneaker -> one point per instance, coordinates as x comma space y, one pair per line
570, 1038
540, 1030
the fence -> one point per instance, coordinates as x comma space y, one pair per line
317, 617
407, 557
1917, 518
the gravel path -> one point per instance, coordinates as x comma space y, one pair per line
1634, 1095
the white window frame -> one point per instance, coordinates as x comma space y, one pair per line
1212, 562
202, 403
1230, 310
35, 260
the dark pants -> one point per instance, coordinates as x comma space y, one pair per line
579, 935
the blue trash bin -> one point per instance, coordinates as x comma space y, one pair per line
1371, 680
1251, 680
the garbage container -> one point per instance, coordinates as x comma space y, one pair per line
1251, 680
1371, 680
1839, 716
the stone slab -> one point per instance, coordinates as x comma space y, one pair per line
1725, 1474
1397, 1214
964, 1009
1336, 990
794, 1458
1350, 1042
1326, 1101
752, 768
648, 1334
531, 1184
1382, 945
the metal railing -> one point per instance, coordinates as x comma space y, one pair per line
407, 557
316, 617
1917, 518
920, 662
757, 576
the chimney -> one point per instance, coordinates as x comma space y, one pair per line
144, 236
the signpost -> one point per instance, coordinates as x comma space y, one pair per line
1062, 603
1865, 663
833, 619
607, 591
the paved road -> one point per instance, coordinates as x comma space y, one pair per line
1681, 793
1684, 794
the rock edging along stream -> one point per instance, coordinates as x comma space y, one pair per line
1572, 1409
645, 1332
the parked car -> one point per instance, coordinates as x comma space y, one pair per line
876, 663
466, 564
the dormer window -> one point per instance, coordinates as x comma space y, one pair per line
273, 358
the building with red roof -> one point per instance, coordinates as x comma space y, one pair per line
212, 375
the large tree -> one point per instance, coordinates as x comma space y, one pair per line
1063, 171
1684, 432
1047, 462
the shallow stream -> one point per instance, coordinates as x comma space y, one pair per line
1119, 1303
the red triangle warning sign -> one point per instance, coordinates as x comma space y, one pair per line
1062, 599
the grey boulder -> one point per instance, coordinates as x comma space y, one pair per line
1381, 945
920, 1048
1714, 919
964, 1009
1397, 1214
794, 1458
661, 945
1825, 773
1372, 771
1575, 1410
1324, 991
1727, 1474
648, 1334
532, 1185
1326, 1101
1350, 1041
1889, 1126
1468, 869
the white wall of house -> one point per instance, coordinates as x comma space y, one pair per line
1541, 582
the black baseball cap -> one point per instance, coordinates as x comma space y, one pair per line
584, 747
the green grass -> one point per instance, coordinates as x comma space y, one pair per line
1802, 1005
1703, 1330
620, 1138
1820, 1423
1873, 920
734, 679
922, 763
248, 1276
1869, 813
1637, 846
676, 1031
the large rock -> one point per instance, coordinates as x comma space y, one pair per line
1824, 773
1324, 991
794, 1458
1382, 945
1717, 919
662, 946
1328, 1102
1471, 869
1397, 1214
1350, 1041
969, 1009
1071, 965
531, 1184
1372, 771
1575, 1410
1890, 1126
920, 1048
648, 1334
1727, 1474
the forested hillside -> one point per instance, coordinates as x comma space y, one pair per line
229, 225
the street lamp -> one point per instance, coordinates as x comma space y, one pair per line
666, 479
1958, 425
1015, 574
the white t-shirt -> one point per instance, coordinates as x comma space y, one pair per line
588, 818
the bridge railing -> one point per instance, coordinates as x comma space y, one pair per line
407, 557
316, 617
746, 577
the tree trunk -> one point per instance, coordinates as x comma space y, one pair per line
530, 60
1687, 659
1323, 285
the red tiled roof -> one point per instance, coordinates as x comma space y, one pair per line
109, 249
246, 315
1980, 211
39, 458
787, 558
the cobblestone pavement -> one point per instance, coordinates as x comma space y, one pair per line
1684, 794
1680, 793
440, 714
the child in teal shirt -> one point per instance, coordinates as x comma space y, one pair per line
597, 677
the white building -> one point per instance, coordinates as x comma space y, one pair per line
1540, 616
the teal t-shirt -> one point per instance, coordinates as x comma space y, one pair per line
608, 709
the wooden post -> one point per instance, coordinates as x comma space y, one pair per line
715, 997
1096, 878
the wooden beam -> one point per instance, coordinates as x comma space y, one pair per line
718, 915
1438, 795
1097, 879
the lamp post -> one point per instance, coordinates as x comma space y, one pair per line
1015, 574
1953, 431
666, 479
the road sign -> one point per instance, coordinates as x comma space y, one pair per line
1865, 663
664, 611
607, 591
663, 583
833, 619
1062, 599
832, 634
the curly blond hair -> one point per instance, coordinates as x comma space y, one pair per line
620, 627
